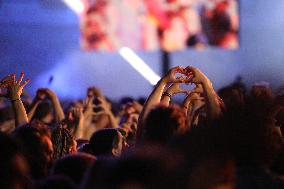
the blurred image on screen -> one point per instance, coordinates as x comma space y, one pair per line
159, 24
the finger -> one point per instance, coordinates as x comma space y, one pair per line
21, 78
25, 83
180, 69
14, 77
184, 91
89, 101
100, 99
180, 80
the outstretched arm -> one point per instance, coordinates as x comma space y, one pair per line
107, 110
173, 89
212, 100
191, 105
14, 90
59, 113
155, 96
40, 95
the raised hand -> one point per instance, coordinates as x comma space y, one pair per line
76, 114
14, 87
195, 75
59, 114
198, 89
40, 95
171, 76
50, 94
211, 98
175, 88
191, 98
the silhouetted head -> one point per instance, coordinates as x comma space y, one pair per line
162, 123
37, 148
73, 166
57, 181
13, 166
106, 142
44, 113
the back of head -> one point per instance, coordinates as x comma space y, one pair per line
162, 123
13, 166
233, 97
53, 182
102, 141
144, 169
62, 142
261, 100
73, 166
43, 109
37, 148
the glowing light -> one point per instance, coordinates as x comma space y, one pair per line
76, 5
139, 65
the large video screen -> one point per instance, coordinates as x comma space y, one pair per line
170, 25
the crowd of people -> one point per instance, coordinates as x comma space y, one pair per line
230, 139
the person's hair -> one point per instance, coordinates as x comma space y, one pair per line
232, 97
102, 141
13, 166
163, 122
62, 141
253, 136
147, 168
43, 109
57, 181
73, 166
34, 149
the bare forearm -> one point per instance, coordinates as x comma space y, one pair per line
59, 114
152, 100
32, 110
79, 131
213, 106
112, 119
21, 117
165, 100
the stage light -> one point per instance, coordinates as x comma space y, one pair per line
139, 65
76, 5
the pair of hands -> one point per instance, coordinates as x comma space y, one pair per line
44, 93
101, 103
14, 87
188, 75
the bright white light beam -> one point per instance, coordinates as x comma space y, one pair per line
76, 5
139, 65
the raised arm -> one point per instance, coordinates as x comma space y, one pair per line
14, 91
59, 113
77, 117
156, 94
40, 95
212, 100
103, 104
173, 89
191, 105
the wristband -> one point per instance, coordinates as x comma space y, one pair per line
167, 94
13, 100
